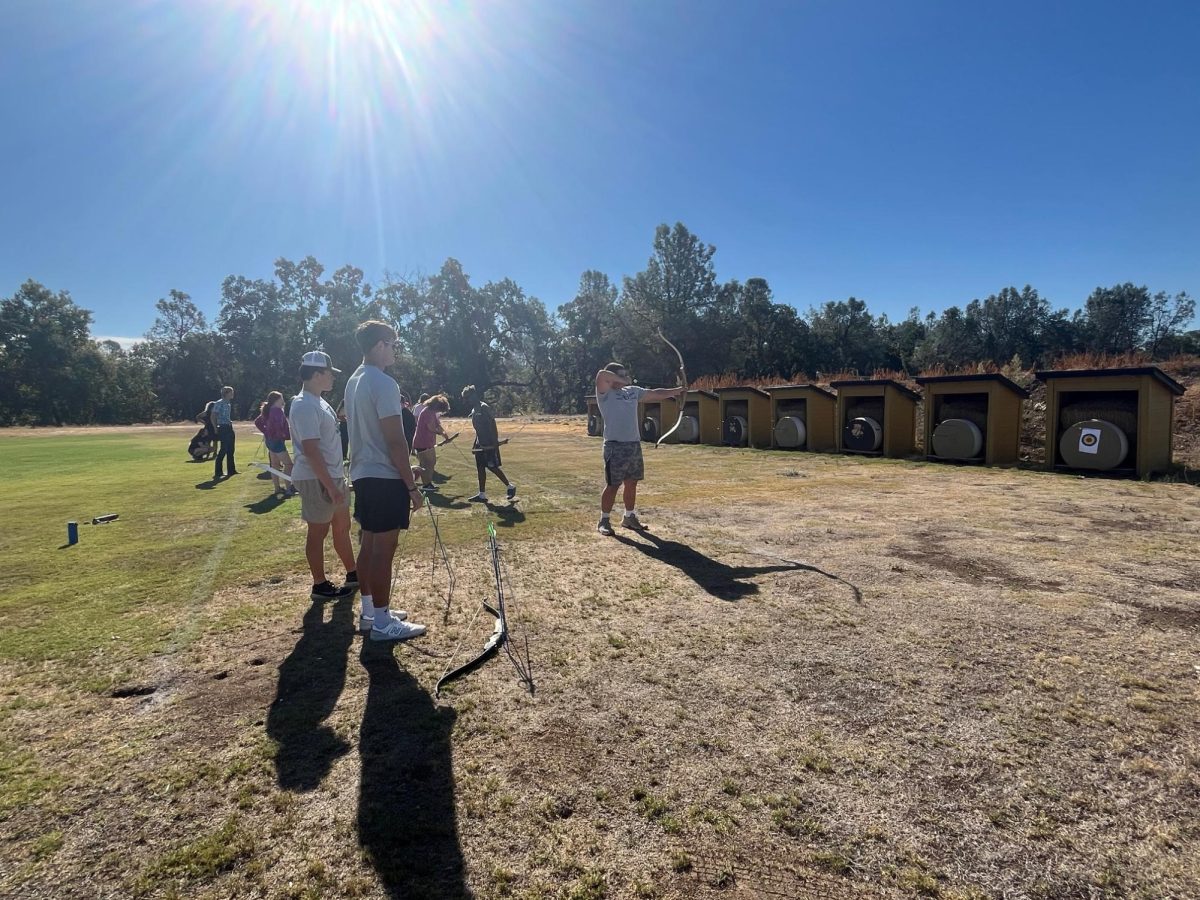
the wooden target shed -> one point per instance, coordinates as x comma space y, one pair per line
876, 417
745, 417
701, 418
802, 417
1110, 420
595, 421
973, 418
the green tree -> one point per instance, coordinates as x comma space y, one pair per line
45, 355
1117, 318
178, 317
1168, 317
1012, 324
845, 338
952, 339
586, 339
673, 293
771, 339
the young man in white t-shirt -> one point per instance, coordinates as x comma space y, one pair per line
385, 492
618, 398
318, 477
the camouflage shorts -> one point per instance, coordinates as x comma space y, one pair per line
623, 462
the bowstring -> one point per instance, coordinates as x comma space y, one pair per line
505, 600
439, 549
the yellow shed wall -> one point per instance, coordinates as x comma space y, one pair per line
1155, 428
819, 416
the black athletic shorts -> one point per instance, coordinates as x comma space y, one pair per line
381, 504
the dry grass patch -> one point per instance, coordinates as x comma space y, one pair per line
816, 676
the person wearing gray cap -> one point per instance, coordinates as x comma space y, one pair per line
318, 476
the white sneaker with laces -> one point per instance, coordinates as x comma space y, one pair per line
481, 497
395, 630
366, 623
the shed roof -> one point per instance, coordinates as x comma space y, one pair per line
746, 388
877, 382
1121, 371
1000, 379
815, 387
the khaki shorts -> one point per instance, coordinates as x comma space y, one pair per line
316, 506
426, 460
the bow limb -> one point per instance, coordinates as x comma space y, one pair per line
495, 642
683, 382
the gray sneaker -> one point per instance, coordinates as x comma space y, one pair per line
396, 630
605, 528
628, 521
511, 492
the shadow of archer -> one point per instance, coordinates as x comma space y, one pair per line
310, 683
723, 581
407, 824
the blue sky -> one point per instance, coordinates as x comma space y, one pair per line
907, 153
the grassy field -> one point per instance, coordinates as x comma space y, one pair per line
817, 676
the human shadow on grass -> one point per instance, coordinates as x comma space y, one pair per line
433, 498
266, 504
310, 682
723, 581
209, 485
406, 816
506, 512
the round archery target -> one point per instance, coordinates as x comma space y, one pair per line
595, 424
650, 429
862, 434
790, 433
734, 432
1093, 444
688, 431
957, 439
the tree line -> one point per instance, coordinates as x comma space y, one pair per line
497, 337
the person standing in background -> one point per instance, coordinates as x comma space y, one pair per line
223, 419
274, 427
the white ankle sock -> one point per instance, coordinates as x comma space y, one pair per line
630, 512
368, 608
382, 616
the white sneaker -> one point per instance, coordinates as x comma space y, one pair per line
366, 623
481, 497
396, 630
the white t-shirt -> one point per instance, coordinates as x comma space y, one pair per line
311, 417
619, 407
371, 395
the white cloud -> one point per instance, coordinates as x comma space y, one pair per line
125, 342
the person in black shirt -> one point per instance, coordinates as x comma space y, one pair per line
487, 445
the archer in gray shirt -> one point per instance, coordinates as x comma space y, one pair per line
618, 398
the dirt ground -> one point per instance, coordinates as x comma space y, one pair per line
816, 676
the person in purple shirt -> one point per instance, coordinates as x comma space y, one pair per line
274, 426
429, 426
